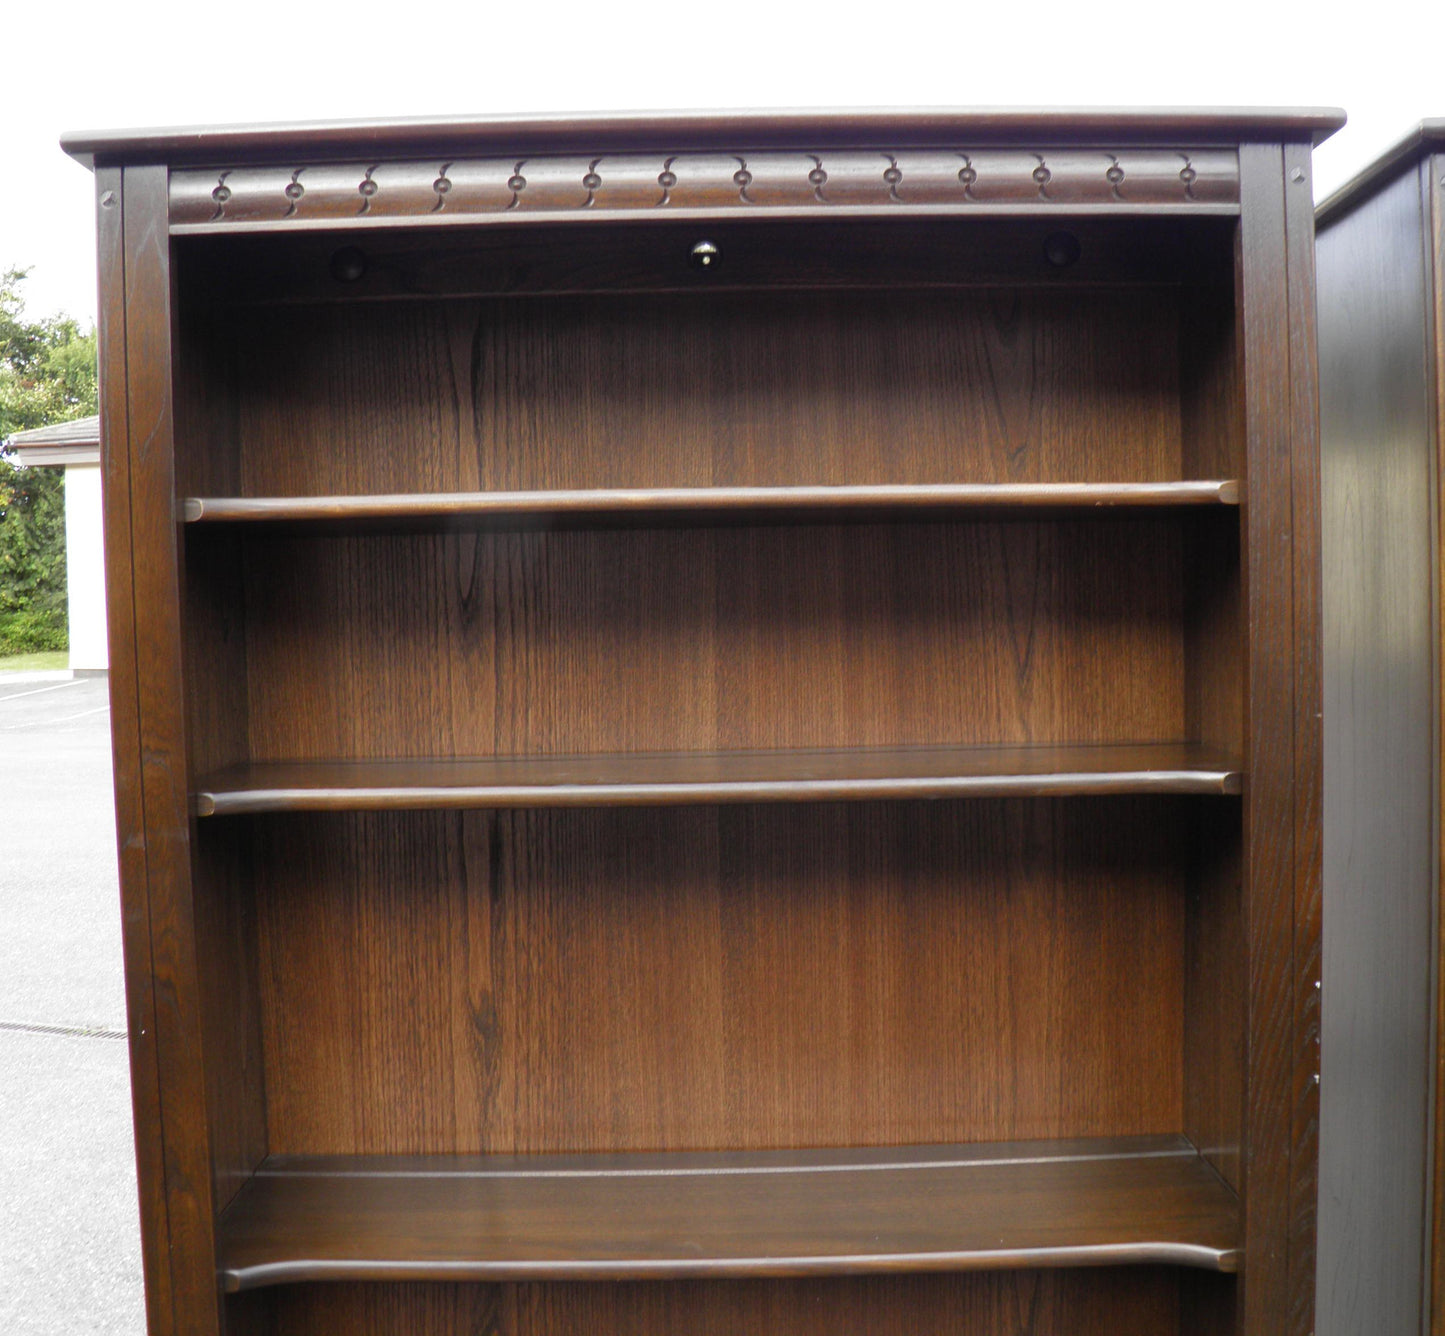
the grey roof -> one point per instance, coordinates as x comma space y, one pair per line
79, 431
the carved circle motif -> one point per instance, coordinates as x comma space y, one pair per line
204, 198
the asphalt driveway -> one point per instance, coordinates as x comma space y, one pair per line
69, 1237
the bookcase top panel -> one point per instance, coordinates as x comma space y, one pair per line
325, 141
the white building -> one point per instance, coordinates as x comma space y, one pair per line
75, 446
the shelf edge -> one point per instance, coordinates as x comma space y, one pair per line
1198, 1256
744, 503
1217, 783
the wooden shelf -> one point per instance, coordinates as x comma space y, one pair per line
661, 507
937, 1208
675, 778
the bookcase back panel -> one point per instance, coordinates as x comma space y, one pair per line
721, 978
655, 255
1143, 1301
458, 645
1006, 384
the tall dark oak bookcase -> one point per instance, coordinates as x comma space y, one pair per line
1381, 255
717, 721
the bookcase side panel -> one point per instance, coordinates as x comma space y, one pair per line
1380, 795
161, 762
1282, 719
145, 1088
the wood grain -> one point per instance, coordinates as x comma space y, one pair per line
1381, 803
1011, 385
125, 674
1089, 1301
464, 982
852, 977
156, 579
1308, 737
1281, 806
573, 132
1117, 1201
406, 647
214, 662
685, 506
962, 254
1212, 416
961, 179
670, 779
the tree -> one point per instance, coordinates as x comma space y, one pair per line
47, 374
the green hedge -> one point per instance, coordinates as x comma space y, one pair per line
47, 374
32, 630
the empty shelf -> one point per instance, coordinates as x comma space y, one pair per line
667, 779
662, 507
835, 1212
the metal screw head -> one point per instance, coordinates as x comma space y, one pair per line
107, 200
1298, 175
704, 255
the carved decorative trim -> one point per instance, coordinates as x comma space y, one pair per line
367, 193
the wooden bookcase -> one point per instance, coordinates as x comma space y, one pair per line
717, 721
1381, 256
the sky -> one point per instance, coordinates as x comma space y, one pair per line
87, 65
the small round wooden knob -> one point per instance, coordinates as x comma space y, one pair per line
348, 264
1062, 249
705, 255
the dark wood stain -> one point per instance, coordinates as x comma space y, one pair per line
1142, 1300
873, 129
1381, 675
724, 639
126, 751
712, 389
526, 749
617, 1217
682, 507
641, 779
514, 960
